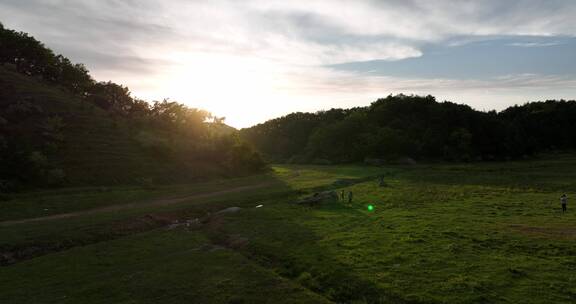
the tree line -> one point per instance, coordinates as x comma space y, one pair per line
417, 127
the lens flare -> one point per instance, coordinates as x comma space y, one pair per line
370, 208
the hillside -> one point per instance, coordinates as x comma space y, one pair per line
59, 127
92, 147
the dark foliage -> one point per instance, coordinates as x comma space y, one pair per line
419, 127
32, 129
29, 56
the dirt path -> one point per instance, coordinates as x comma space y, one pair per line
153, 203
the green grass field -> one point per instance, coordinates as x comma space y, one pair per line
438, 233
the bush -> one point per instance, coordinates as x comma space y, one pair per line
306, 279
55, 177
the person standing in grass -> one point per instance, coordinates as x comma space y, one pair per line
350, 197
563, 200
381, 182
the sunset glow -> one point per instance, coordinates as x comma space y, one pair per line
254, 60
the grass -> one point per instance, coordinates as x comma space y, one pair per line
44, 203
440, 233
156, 267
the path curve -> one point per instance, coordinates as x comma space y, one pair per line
153, 203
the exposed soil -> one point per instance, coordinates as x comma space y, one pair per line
154, 203
189, 219
548, 232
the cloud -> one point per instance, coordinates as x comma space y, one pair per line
326, 80
310, 32
106, 36
262, 50
535, 44
434, 20
481, 58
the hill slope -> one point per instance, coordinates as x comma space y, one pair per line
59, 126
79, 139
50, 137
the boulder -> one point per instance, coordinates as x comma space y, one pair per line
318, 198
343, 182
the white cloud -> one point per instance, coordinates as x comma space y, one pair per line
254, 59
534, 44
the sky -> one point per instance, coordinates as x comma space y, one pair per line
253, 60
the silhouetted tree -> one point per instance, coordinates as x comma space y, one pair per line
419, 127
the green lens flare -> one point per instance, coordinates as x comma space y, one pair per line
370, 208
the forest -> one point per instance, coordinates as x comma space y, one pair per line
416, 127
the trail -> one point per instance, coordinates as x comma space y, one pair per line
153, 203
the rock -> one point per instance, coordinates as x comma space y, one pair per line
229, 210
187, 223
173, 226
343, 182
319, 197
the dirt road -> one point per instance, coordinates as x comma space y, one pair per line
153, 203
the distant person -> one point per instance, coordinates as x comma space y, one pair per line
342, 195
381, 181
563, 200
350, 197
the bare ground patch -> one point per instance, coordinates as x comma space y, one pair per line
545, 232
153, 203
191, 219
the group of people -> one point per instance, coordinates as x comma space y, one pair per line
343, 196
563, 199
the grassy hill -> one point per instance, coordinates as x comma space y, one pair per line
59, 126
92, 147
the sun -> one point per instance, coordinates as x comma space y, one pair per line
226, 85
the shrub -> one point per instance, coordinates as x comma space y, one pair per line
55, 177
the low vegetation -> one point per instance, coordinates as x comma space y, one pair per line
444, 233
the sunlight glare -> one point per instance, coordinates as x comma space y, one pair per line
226, 85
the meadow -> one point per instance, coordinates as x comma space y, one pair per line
438, 233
